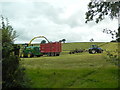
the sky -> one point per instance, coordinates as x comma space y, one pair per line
54, 19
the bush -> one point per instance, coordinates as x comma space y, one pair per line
13, 75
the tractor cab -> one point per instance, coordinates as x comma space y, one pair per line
95, 49
94, 46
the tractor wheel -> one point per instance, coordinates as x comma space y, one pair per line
22, 55
38, 55
29, 55
93, 51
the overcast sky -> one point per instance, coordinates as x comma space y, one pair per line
56, 20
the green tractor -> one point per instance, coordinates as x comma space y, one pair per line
31, 51
95, 49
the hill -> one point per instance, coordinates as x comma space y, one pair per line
86, 45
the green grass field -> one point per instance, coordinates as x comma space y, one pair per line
81, 70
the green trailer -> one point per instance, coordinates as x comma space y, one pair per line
31, 51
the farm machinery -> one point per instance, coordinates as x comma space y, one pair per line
50, 49
31, 51
95, 49
76, 51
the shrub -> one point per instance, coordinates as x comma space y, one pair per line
12, 74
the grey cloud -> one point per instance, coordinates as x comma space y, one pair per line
43, 18
48, 11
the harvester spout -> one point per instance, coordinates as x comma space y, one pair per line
37, 37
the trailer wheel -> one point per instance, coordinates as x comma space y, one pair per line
57, 54
52, 54
49, 54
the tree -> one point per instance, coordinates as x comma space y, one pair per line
43, 41
98, 9
113, 33
118, 35
91, 40
63, 40
12, 73
60, 40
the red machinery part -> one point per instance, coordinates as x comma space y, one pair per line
51, 47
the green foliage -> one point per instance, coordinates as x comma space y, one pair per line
114, 34
12, 73
63, 40
8, 33
98, 9
118, 35
43, 41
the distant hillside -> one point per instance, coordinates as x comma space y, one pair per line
81, 45
85, 45
112, 46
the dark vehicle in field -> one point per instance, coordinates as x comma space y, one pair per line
95, 49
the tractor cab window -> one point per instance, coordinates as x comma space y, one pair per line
28, 48
94, 46
37, 48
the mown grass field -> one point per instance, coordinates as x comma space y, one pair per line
81, 70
